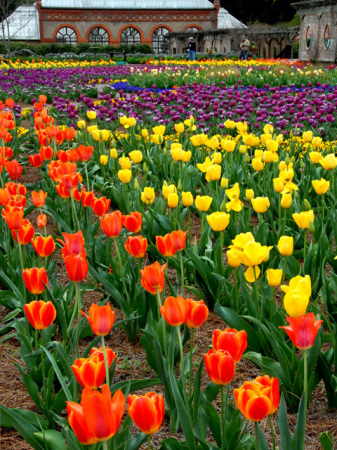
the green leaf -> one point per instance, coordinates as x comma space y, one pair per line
327, 441
53, 439
136, 441
282, 422
21, 425
299, 433
135, 385
58, 374
173, 444
263, 445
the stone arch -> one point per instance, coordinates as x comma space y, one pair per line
66, 25
274, 48
223, 48
98, 26
207, 45
157, 27
192, 25
142, 40
264, 50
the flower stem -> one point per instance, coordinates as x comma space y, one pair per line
42, 365
87, 175
256, 296
163, 322
256, 435
305, 248
105, 445
305, 363
105, 362
283, 275
191, 368
74, 210
78, 303
121, 270
224, 419
189, 228
183, 381
272, 432
149, 442
182, 273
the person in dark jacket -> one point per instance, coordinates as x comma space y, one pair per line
192, 48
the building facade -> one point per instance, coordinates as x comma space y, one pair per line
318, 35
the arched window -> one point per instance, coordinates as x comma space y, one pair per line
66, 35
99, 36
130, 36
308, 37
191, 30
327, 37
159, 41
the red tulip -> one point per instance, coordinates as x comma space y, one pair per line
13, 217
101, 319
153, 277
26, 233
178, 239
98, 416
165, 245
90, 372
302, 330
36, 160
174, 310
13, 188
4, 197
220, 366
41, 221
136, 246
133, 222
77, 266
147, 411
44, 246
35, 279
112, 224
274, 394
46, 153
40, 314
39, 198
197, 313
231, 340
100, 206
85, 153
87, 197
73, 243
14, 169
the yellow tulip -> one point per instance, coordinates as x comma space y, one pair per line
250, 194
213, 143
295, 304
286, 245
302, 219
272, 145
300, 284
132, 121
216, 158
252, 273
91, 115
266, 137
274, 277
179, 127
213, 173
315, 157
91, 128
268, 156
105, 135
228, 145
187, 198
96, 134
186, 156
160, 129
286, 201
316, 142
218, 221
321, 186
81, 124
248, 139
203, 203
253, 254
260, 204
205, 165
177, 153
124, 175
173, 200
113, 153
124, 162
232, 259
224, 183
243, 149
280, 138
307, 136
329, 162
145, 133
278, 184
136, 156
257, 164
198, 139
157, 139
241, 240
103, 160
148, 195
230, 124
171, 189
268, 128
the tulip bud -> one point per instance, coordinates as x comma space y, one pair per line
179, 186
307, 205
224, 183
286, 201
113, 144
311, 227
296, 196
302, 165
145, 168
165, 151
136, 184
287, 160
247, 159
223, 205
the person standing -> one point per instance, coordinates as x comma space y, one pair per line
244, 47
192, 48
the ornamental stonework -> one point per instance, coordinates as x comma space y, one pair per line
132, 16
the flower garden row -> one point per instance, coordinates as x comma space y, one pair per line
266, 203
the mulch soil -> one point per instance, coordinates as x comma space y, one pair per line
133, 365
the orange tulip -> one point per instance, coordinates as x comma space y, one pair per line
9, 102
302, 330
147, 411
274, 394
153, 277
34, 279
197, 313
220, 366
42, 99
14, 169
136, 246
77, 266
133, 222
72, 244
101, 319
231, 340
13, 188
13, 217
26, 233
36, 160
87, 197
85, 153
46, 153
39, 198
40, 314
257, 400
90, 372
112, 224
165, 245
98, 416
178, 239
100, 206
44, 246
62, 191
175, 310
41, 221
4, 197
